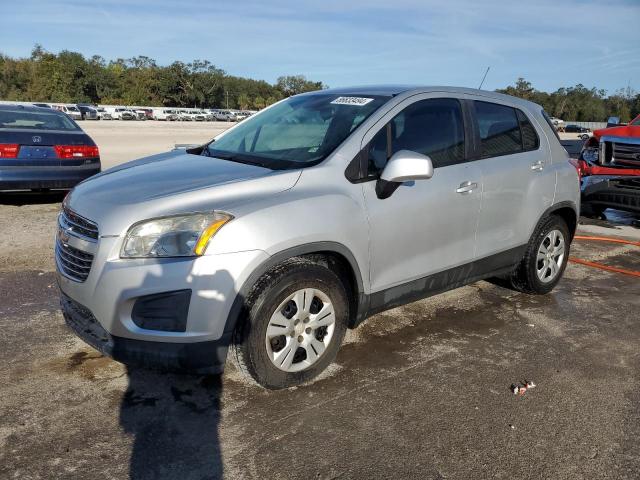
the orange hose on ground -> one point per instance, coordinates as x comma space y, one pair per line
604, 267
601, 266
607, 239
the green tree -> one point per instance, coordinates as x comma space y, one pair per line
294, 84
521, 89
243, 101
258, 102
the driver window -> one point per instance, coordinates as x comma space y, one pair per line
431, 127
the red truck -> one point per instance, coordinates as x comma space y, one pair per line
609, 167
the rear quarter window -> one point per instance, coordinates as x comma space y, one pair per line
530, 140
550, 123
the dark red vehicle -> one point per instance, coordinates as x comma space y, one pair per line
609, 166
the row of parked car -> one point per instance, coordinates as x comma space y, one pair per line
93, 112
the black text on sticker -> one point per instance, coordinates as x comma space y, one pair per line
357, 101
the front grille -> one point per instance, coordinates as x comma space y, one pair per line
626, 154
75, 224
621, 152
74, 263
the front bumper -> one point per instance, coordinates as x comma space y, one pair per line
622, 193
193, 357
19, 178
114, 286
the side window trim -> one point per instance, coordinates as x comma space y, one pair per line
471, 130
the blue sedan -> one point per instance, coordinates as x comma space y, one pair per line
41, 148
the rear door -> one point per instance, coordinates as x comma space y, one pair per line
425, 226
518, 181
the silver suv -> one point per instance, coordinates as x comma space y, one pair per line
307, 218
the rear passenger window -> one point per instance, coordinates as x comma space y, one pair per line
431, 127
499, 129
529, 136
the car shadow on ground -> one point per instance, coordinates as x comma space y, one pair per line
18, 199
174, 417
174, 421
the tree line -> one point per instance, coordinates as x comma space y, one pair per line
580, 103
69, 77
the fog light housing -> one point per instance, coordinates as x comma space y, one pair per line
166, 312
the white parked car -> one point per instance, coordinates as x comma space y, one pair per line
103, 114
165, 114
72, 110
121, 113
184, 115
558, 122
225, 116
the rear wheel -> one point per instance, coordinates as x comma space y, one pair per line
545, 259
293, 326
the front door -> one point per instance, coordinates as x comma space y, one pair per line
425, 226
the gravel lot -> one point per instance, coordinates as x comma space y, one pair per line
120, 141
421, 391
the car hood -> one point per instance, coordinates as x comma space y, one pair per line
169, 184
623, 131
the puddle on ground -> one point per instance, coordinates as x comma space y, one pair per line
90, 364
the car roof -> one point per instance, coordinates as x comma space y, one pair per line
394, 90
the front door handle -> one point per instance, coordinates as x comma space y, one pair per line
538, 166
467, 187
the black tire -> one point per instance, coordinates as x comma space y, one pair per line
525, 278
249, 351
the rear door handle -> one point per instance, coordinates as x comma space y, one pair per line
467, 187
538, 166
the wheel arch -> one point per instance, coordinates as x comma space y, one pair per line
338, 258
568, 211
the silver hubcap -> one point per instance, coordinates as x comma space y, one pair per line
550, 256
300, 330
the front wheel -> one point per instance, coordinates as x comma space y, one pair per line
545, 259
294, 323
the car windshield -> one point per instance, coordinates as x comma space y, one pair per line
72, 109
300, 131
26, 119
636, 122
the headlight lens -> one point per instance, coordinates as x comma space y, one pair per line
177, 236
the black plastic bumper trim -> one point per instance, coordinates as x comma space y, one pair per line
198, 357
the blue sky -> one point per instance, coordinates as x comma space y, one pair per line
552, 43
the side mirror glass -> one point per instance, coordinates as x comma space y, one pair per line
406, 165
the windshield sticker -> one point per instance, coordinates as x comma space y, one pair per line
357, 101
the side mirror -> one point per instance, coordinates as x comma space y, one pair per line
613, 122
403, 166
406, 165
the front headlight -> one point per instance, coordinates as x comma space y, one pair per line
176, 236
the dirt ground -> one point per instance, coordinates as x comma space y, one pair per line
419, 392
